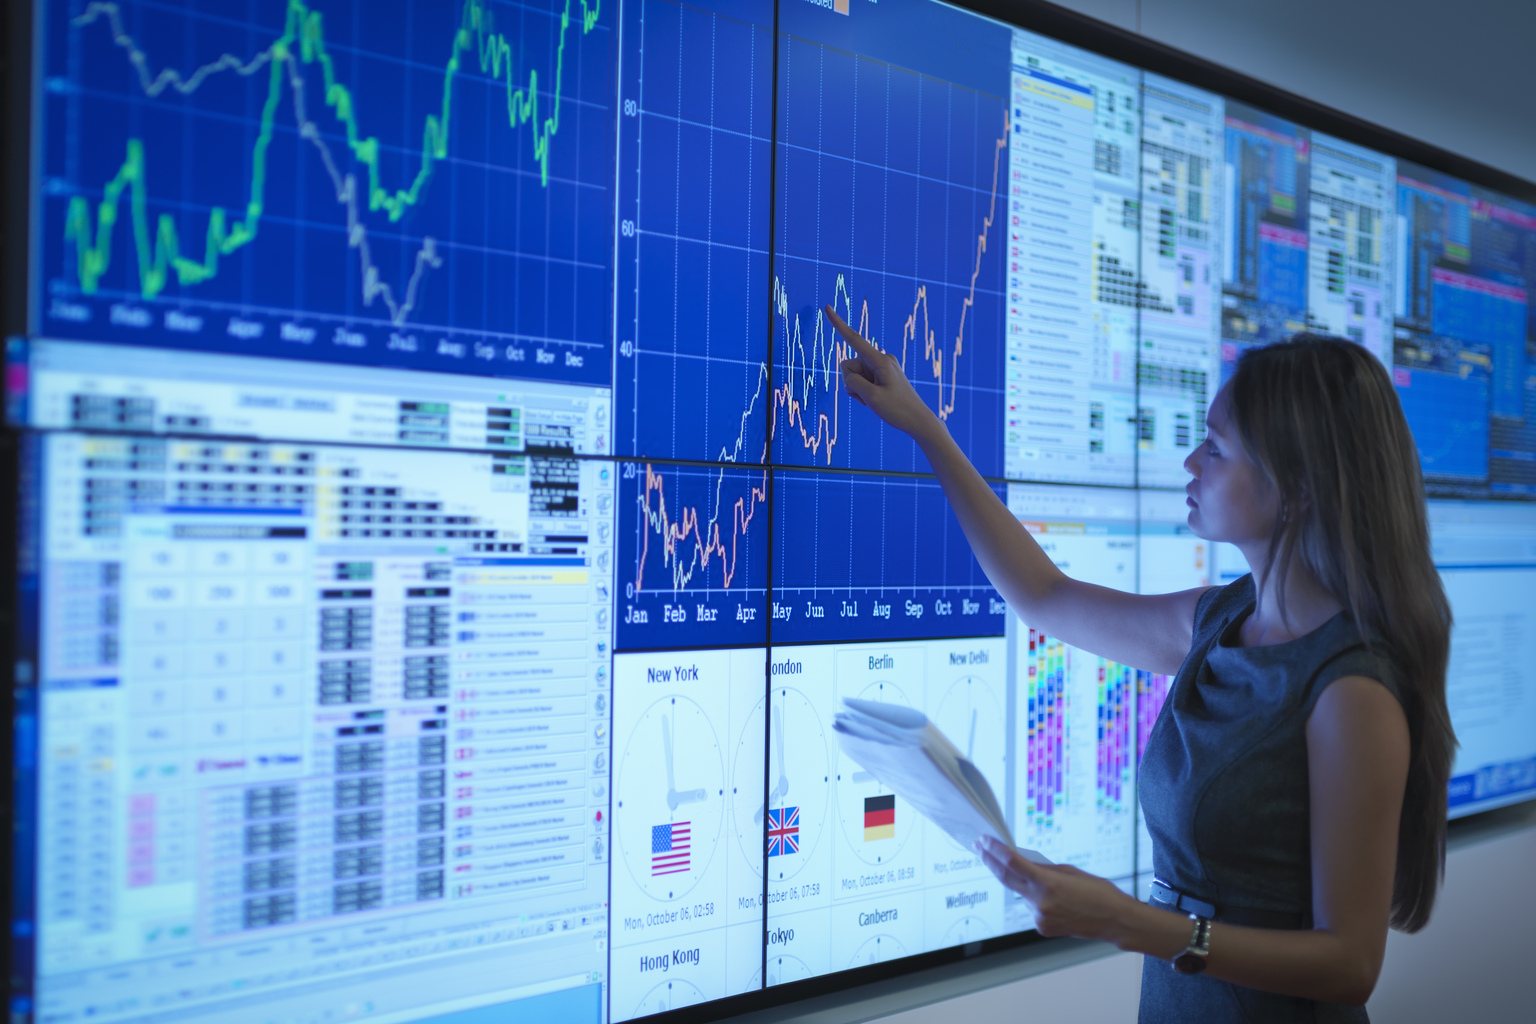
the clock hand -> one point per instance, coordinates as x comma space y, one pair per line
783, 783
666, 743
781, 788
674, 798
970, 746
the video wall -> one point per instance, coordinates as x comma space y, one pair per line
445, 539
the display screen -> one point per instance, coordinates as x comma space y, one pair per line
445, 539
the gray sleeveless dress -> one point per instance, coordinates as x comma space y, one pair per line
1224, 791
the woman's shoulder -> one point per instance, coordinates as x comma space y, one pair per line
1219, 604
1351, 653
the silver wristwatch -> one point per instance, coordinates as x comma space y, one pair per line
1192, 960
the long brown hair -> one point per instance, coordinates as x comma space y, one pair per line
1320, 417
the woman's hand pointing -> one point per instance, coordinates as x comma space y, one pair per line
875, 379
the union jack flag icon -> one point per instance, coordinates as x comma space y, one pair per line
783, 831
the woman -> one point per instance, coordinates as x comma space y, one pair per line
1295, 781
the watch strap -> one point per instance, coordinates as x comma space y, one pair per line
1192, 959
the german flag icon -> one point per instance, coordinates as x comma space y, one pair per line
879, 817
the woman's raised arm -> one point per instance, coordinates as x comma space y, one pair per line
1148, 632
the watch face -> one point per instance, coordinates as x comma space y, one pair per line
1189, 963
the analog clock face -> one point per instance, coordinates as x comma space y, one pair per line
799, 784
747, 788
875, 822
967, 929
782, 969
669, 995
970, 715
669, 797
877, 949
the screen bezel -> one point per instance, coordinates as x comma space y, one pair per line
17, 106
18, 317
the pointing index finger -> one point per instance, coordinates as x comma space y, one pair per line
851, 336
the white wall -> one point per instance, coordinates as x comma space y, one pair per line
1457, 73
1477, 959
1475, 962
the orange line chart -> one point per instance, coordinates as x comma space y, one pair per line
812, 365
688, 541
693, 541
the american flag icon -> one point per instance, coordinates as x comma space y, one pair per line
783, 831
669, 848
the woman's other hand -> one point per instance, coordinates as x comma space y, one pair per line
875, 379
1067, 901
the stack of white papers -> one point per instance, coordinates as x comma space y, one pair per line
908, 754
